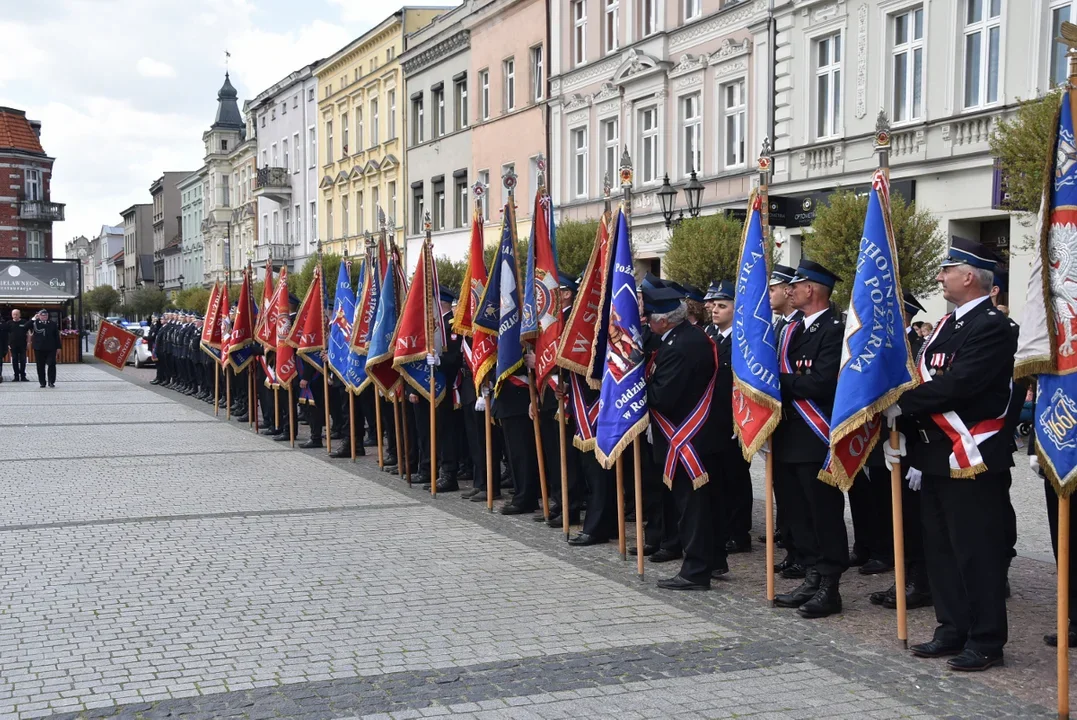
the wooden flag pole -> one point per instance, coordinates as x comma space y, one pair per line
351, 421
564, 459
768, 494
254, 382
1063, 607
250, 396
377, 424
216, 391
428, 257
637, 462
621, 543
535, 422
276, 407
291, 415
227, 394
489, 458
407, 442
401, 453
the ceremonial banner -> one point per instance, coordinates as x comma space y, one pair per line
239, 353
113, 345
340, 327
499, 309
622, 403
308, 333
379, 362
355, 377
483, 355
224, 322
421, 330
266, 331
211, 328
545, 292
578, 349
285, 368
1047, 344
757, 405
366, 305
876, 362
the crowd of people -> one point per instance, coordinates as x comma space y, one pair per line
959, 525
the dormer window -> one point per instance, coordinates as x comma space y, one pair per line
224, 146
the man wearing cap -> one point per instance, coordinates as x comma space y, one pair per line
959, 452
809, 356
682, 370
45, 339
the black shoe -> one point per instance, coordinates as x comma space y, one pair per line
583, 539
1051, 639
152, 382
241, 418
786, 563
935, 649
480, 497
735, 546
52, 385
336, 434
269, 431
370, 441
678, 583
468, 494
283, 437
555, 521
344, 451
662, 555
875, 567
720, 571
648, 550
971, 661
880, 597
825, 602
802, 594
796, 571
388, 459
914, 598
465, 475
857, 559
513, 509
447, 485
310, 444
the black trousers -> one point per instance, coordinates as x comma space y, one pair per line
873, 521
696, 516
659, 507
46, 361
450, 430
967, 556
519, 435
365, 414
735, 493
785, 485
475, 429
338, 407
601, 517
1052, 522
18, 362
316, 414
420, 440
270, 407
816, 513
550, 432
912, 525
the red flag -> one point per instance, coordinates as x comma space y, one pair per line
113, 345
576, 351
547, 295
483, 344
366, 304
266, 330
242, 329
211, 328
308, 332
224, 322
284, 367
415, 334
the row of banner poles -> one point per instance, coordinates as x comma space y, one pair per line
428, 298
372, 268
479, 190
768, 476
351, 395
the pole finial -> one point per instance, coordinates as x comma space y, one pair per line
764, 157
626, 169
509, 180
882, 131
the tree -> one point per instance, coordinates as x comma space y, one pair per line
102, 300
192, 299
147, 300
1023, 145
299, 283
575, 241
704, 249
450, 274
839, 225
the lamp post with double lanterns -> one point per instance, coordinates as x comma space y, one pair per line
667, 198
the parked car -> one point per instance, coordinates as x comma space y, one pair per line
140, 353
116, 320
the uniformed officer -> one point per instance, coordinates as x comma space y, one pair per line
960, 455
510, 409
810, 355
680, 392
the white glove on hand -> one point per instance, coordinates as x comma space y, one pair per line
891, 455
764, 449
891, 414
433, 360
915, 478
1034, 463
480, 405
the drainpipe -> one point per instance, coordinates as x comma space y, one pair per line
549, 67
772, 34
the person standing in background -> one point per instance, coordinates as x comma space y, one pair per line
46, 342
16, 342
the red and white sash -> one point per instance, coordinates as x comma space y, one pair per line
586, 417
680, 438
813, 414
965, 460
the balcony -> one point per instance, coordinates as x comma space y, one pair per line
41, 211
274, 183
278, 253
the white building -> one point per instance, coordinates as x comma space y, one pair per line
108, 242
192, 214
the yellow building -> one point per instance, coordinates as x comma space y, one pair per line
361, 148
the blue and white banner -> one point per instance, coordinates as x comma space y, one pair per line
340, 324
500, 307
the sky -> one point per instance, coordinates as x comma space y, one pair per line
125, 88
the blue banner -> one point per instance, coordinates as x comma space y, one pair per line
876, 363
622, 403
355, 377
499, 309
340, 324
529, 325
379, 362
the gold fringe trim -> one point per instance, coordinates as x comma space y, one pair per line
480, 376
1063, 490
968, 472
560, 359
611, 222
608, 461
414, 357
506, 375
768, 429
424, 392
584, 445
1033, 366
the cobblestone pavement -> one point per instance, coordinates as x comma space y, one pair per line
157, 562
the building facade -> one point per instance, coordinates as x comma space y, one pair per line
27, 210
283, 118
243, 232
192, 213
107, 243
361, 116
137, 248
437, 74
227, 132
81, 249
165, 198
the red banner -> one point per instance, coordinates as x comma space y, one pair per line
266, 330
576, 350
243, 327
308, 332
211, 328
113, 345
547, 294
483, 344
284, 367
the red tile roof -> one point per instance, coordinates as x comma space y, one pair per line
16, 133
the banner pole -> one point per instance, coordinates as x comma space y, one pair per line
216, 391
637, 463
407, 442
1063, 607
227, 394
291, 415
564, 458
250, 396
276, 407
489, 459
535, 422
377, 424
351, 421
621, 544
428, 303
768, 494
325, 404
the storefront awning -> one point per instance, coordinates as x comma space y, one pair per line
38, 281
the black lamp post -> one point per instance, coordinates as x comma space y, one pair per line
667, 197
693, 192
181, 281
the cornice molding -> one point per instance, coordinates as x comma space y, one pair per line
438, 51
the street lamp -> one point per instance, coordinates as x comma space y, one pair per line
667, 197
693, 192
181, 281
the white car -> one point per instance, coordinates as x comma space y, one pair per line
140, 353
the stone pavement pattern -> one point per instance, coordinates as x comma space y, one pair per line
158, 562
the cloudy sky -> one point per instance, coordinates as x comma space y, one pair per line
125, 88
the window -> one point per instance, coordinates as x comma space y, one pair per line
313, 146
1058, 70
509, 71
374, 205
538, 87
609, 26
982, 41
329, 219
295, 100
295, 144
298, 220
460, 201
276, 226
35, 244
310, 95
274, 154
417, 113
648, 138
390, 53
484, 100
460, 103
344, 132
417, 210
224, 146
263, 120
287, 164
287, 225
579, 162
734, 109
328, 142
692, 9
33, 184
313, 220
610, 145
828, 86
579, 32
375, 138
691, 134
439, 112
484, 178
284, 108
439, 206
360, 213
648, 17
265, 229
344, 216
392, 203
908, 65
506, 169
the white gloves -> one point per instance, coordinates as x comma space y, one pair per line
1034, 463
764, 449
891, 414
480, 404
433, 360
891, 455
915, 478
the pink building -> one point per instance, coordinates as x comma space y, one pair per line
677, 82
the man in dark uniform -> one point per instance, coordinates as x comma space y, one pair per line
966, 366
160, 347
680, 392
810, 355
3, 346
473, 409
511, 410
311, 377
16, 342
45, 336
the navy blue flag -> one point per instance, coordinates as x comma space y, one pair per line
876, 363
622, 403
355, 377
340, 324
379, 362
500, 307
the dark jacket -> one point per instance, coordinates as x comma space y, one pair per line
45, 335
16, 334
722, 409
